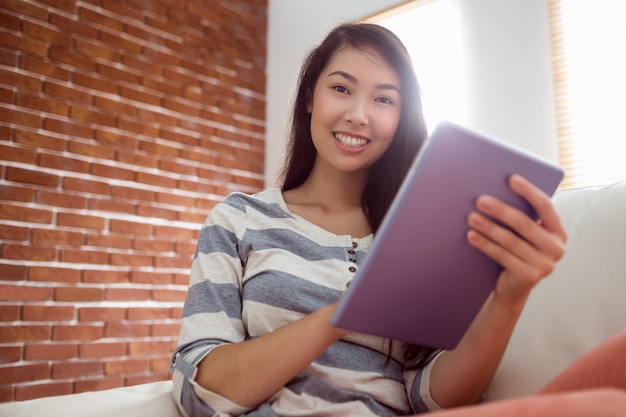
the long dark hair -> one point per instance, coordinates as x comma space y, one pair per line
386, 174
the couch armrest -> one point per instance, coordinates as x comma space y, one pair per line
153, 399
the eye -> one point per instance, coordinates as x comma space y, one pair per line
385, 100
341, 89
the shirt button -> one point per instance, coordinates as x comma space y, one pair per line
352, 269
354, 245
351, 251
352, 260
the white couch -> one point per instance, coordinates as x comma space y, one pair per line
582, 303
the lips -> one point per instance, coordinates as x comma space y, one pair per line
351, 141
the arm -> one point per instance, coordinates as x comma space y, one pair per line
250, 372
462, 375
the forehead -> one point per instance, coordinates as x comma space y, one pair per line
364, 64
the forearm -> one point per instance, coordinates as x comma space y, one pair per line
249, 372
460, 376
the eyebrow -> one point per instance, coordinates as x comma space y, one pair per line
354, 80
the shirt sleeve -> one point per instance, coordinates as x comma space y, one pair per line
212, 310
417, 383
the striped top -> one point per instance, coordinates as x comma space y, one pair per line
258, 267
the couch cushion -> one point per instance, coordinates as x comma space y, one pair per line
582, 303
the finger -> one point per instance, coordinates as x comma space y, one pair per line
500, 243
534, 232
541, 203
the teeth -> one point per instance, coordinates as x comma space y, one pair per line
350, 140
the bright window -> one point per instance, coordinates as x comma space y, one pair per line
431, 32
588, 41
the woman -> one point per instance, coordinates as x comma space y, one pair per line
269, 269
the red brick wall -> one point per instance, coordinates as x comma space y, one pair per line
122, 122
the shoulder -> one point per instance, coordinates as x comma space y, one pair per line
268, 202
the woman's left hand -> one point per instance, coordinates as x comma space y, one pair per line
530, 252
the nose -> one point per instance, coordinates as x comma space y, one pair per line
357, 114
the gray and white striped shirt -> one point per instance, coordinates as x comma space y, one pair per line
259, 267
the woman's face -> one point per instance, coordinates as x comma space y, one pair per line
355, 110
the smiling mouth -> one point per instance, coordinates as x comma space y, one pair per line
350, 141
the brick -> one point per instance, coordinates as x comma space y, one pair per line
129, 259
67, 92
175, 199
126, 366
144, 348
123, 329
177, 233
81, 221
127, 294
165, 330
53, 274
6, 393
88, 14
153, 245
77, 332
170, 294
91, 116
19, 117
78, 184
12, 153
76, 369
70, 128
9, 312
106, 276
123, 226
19, 80
24, 44
45, 33
147, 378
139, 127
158, 212
66, 200
40, 141
13, 193
115, 206
24, 373
141, 95
95, 83
39, 66
159, 278
9, 272
161, 84
147, 313
32, 312
25, 214
146, 66
154, 179
72, 25
119, 139
97, 384
23, 333
55, 236
96, 49
107, 314
172, 262
78, 294
102, 350
42, 351
133, 193
161, 364
39, 390
109, 241
68, 57
29, 252
94, 150
84, 256
109, 171
10, 354
121, 74
31, 176
63, 163
25, 292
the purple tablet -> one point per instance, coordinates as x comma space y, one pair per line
421, 281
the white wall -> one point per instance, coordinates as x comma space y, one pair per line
509, 66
